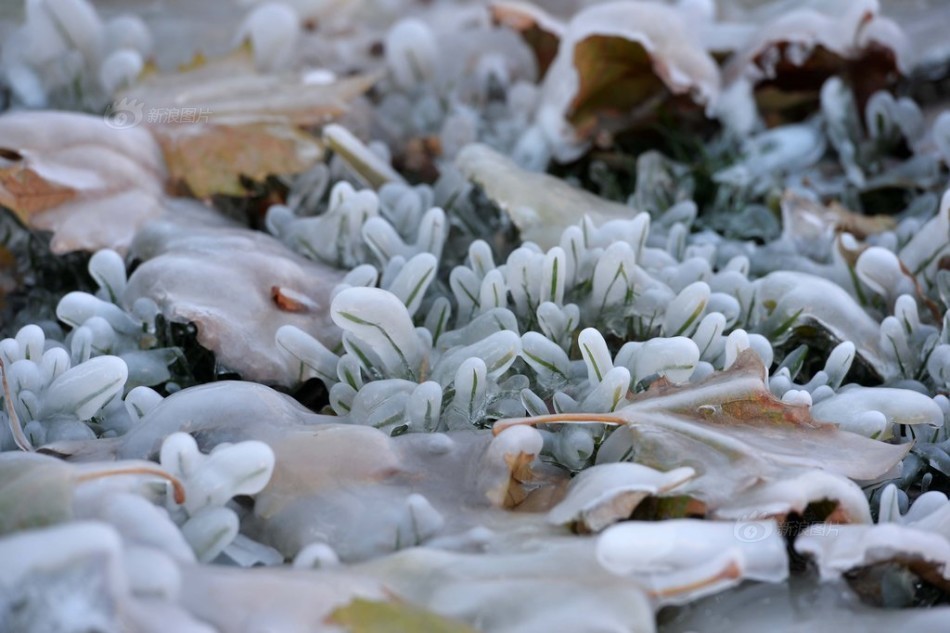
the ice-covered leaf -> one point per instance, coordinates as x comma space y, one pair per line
85, 388
681, 560
238, 286
789, 57
928, 246
607, 493
541, 31
369, 167
209, 531
243, 468
381, 322
89, 183
208, 159
898, 406
618, 63
753, 454
855, 551
541, 206
206, 116
794, 299
367, 616
325, 470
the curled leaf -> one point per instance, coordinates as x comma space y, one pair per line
617, 64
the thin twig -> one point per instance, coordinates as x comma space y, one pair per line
22, 441
559, 418
178, 488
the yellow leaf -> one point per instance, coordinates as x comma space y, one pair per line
367, 616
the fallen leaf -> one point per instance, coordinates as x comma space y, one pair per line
601, 496
89, 183
540, 31
681, 560
200, 268
617, 65
855, 550
368, 616
221, 120
541, 206
25, 192
369, 167
754, 455
791, 56
616, 76
422, 487
805, 220
794, 300
213, 159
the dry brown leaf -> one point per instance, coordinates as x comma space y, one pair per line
859, 224
790, 58
617, 65
26, 193
9, 279
221, 120
212, 159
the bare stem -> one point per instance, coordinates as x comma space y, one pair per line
559, 418
178, 489
22, 441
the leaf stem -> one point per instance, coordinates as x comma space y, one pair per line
559, 418
178, 488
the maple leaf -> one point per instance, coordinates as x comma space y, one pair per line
754, 456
